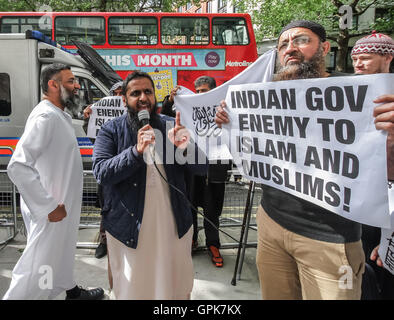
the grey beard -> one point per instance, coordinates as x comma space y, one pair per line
69, 101
313, 68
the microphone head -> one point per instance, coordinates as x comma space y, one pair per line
143, 116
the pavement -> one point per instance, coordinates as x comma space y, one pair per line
210, 283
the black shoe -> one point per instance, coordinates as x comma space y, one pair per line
87, 294
101, 250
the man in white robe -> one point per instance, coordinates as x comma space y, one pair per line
47, 169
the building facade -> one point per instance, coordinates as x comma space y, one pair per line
211, 6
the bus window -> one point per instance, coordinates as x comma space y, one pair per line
187, 31
129, 30
229, 31
5, 95
21, 24
90, 30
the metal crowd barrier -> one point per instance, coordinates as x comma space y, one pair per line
238, 215
10, 214
241, 200
90, 210
8, 205
231, 219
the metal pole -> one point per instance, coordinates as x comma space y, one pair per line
248, 203
14, 208
245, 239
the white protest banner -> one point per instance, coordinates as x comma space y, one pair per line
198, 111
184, 91
315, 139
103, 110
386, 247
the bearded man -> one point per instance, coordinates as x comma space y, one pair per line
302, 248
46, 167
148, 223
294, 234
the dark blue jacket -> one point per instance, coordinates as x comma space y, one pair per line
121, 171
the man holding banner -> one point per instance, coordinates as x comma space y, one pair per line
370, 55
304, 250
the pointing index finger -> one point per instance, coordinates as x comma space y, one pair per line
178, 119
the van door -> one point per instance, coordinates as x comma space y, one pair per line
91, 91
18, 93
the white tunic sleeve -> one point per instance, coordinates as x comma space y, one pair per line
23, 171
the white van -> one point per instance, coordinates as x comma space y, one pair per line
22, 57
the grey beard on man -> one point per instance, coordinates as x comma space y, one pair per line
314, 68
68, 99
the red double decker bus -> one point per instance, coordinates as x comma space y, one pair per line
174, 48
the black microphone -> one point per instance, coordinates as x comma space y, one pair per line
143, 117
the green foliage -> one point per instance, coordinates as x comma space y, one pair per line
385, 24
90, 5
269, 16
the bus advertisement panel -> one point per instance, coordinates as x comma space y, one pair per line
174, 48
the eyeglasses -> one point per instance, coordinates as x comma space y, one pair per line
297, 42
70, 81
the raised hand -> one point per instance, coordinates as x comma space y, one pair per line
145, 137
221, 115
179, 135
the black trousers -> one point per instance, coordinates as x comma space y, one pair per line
385, 280
209, 196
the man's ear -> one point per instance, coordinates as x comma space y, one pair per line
53, 84
326, 47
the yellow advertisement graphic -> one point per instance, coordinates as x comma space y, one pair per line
163, 83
